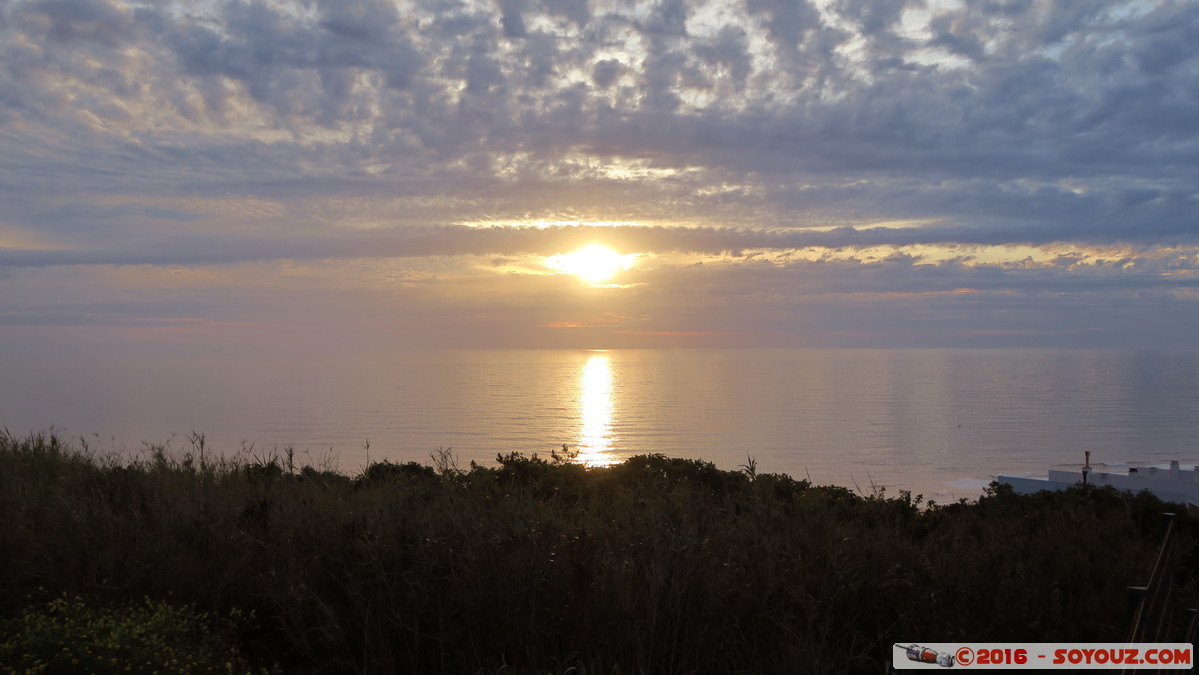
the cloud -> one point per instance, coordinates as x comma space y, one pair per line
198, 134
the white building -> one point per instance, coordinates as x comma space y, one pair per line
1174, 484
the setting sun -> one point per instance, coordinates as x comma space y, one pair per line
594, 263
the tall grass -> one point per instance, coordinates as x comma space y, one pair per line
656, 565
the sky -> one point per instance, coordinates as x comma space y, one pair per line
319, 175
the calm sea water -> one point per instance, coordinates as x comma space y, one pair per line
938, 422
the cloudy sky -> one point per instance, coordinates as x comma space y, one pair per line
389, 173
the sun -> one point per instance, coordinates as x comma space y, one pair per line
594, 263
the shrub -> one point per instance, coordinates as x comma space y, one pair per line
69, 635
656, 565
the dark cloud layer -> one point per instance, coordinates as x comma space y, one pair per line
455, 240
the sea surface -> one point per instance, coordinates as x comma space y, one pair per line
941, 423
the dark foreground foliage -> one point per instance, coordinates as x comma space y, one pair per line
657, 565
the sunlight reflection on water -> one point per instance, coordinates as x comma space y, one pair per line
596, 401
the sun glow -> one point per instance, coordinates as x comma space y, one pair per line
595, 263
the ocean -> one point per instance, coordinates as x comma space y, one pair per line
941, 423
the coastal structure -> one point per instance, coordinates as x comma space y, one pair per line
1172, 484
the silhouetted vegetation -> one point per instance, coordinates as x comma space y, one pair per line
656, 565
